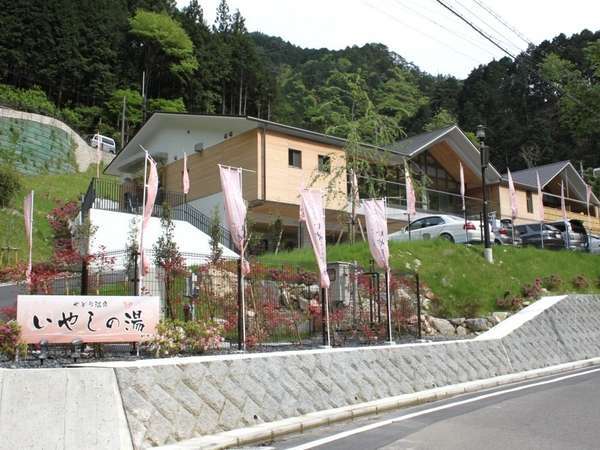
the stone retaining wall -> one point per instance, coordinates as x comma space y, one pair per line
175, 399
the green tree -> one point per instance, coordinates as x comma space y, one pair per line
164, 44
216, 235
168, 257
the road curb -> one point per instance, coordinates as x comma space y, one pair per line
268, 431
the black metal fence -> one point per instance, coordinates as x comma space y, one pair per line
109, 195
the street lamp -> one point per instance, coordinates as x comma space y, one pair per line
484, 153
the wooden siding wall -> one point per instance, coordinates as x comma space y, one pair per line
283, 181
238, 151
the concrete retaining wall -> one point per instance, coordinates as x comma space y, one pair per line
61, 409
176, 399
41, 144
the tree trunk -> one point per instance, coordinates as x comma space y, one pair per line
241, 93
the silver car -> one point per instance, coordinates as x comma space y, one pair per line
443, 226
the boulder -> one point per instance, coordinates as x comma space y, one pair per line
499, 316
443, 326
457, 322
479, 324
461, 331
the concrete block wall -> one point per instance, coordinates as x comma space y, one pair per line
170, 400
41, 144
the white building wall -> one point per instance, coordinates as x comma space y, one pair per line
113, 230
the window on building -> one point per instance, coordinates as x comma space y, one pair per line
295, 158
529, 202
324, 164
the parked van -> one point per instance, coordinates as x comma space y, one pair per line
577, 236
108, 144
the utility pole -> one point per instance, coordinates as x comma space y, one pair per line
123, 121
487, 251
144, 82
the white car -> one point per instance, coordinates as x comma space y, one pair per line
593, 243
451, 228
108, 144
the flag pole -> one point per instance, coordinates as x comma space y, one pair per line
242, 276
387, 284
141, 245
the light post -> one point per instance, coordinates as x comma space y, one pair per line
483, 151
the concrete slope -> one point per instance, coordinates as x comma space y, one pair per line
113, 230
44, 144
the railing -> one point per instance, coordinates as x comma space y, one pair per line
554, 215
109, 195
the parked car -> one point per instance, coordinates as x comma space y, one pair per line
593, 243
451, 228
108, 144
530, 234
504, 232
577, 234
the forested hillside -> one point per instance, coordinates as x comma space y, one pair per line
81, 60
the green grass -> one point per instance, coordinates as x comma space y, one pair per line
458, 274
49, 191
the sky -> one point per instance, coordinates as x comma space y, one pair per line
421, 31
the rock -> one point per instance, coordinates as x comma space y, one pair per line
479, 324
303, 303
443, 326
426, 304
461, 331
459, 321
498, 316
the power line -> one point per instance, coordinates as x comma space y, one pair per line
482, 33
394, 18
499, 35
453, 32
503, 22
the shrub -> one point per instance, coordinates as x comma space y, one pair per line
532, 291
509, 302
10, 347
553, 282
580, 282
175, 336
32, 100
10, 185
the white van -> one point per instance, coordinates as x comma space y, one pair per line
108, 144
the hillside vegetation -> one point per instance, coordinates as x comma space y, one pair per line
541, 107
50, 191
458, 275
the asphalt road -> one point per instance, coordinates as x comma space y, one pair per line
559, 412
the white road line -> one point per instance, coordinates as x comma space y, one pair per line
383, 423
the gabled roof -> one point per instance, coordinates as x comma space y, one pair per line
456, 138
547, 172
412, 145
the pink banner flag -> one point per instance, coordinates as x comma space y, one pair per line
462, 186
513, 196
540, 208
377, 231
185, 176
312, 213
563, 208
410, 194
235, 209
152, 189
28, 216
